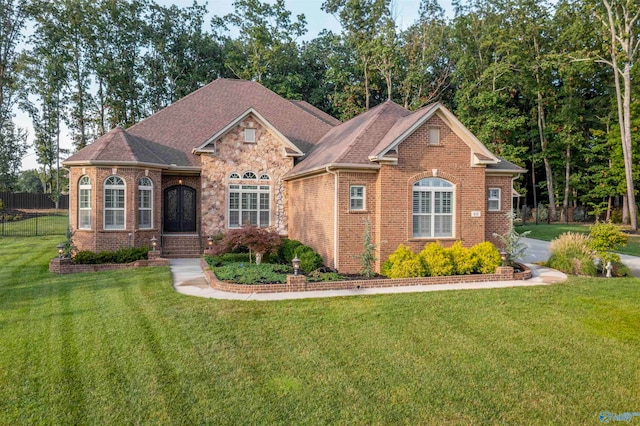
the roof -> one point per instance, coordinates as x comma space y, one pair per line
168, 137
373, 136
505, 166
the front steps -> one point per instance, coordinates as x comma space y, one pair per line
178, 246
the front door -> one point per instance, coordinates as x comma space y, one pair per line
179, 209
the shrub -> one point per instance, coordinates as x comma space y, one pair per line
258, 240
227, 258
244, 273
542, 213
570, 253
368, 256
486, 257
463, 261
310, 260
606, 237
437, 260
287, 250
325, 276
514, 247
403, 263
124, 255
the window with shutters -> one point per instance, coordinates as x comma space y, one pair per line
432, 208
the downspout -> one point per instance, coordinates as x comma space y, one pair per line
335, 217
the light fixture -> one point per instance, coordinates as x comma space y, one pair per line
60, 248
210, 241
296, 265
154, 242
503, 257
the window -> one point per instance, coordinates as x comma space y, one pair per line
114, 203
234, 176
249, 175
84, 203
432, 208
250, 135
356, 197
494, 199
434, 136
249, 204
265, 177
145, 203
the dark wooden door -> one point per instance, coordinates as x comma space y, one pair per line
179, 209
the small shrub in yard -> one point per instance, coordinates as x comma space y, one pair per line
124, 255
260, 241
437, 260
487, 257
463, 261
324, 276
571, 253
243, 273
605, 237
287, 250
403, 263
226, 258
310, 260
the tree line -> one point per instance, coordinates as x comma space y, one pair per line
548, 86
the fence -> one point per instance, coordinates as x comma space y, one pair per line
25, 200
27, 223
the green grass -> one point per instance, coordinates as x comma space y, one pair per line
51, 224
549, 232
124, 348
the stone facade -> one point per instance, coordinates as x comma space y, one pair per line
265, 156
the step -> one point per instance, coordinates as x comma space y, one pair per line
181, 246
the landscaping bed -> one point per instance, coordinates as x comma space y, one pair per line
300, 282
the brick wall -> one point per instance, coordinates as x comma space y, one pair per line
311, 214
497, 221
97, 238
417, 159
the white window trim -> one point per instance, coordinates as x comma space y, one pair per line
106, 187
432, 190
83, 210
245, 189
490, 199
148, 188
363, 198
250, 135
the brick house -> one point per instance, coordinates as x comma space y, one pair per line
233, 152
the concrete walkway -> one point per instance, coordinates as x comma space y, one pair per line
188, 278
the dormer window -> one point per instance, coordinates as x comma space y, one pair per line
250, 135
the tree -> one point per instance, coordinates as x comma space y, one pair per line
619, 19
362, 20
13, 15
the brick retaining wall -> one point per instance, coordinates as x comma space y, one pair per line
65, 266
300, 283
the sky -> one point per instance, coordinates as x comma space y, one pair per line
405, 12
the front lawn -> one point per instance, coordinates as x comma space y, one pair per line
549, 232
123, 348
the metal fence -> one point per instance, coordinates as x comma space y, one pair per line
26, 200
28, 223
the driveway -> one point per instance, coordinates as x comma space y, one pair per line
538, 251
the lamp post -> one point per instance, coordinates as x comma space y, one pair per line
60, 248
296, 265
503, 257
154, 242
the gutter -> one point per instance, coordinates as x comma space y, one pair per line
335, 216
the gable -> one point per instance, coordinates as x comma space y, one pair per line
235, 131
386, 150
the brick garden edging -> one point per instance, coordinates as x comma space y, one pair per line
66, 266
300, 283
